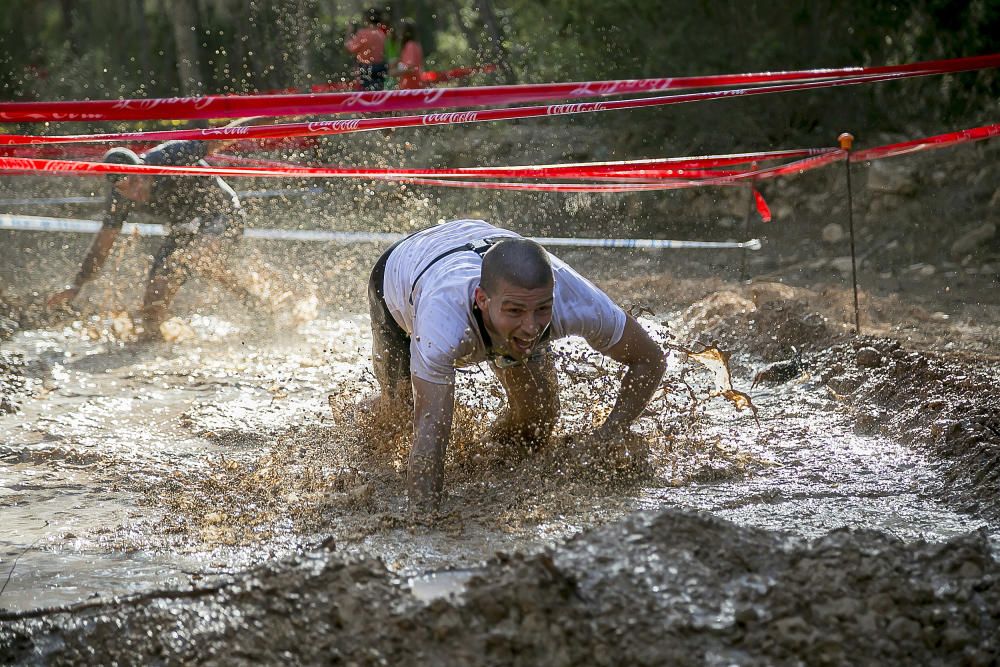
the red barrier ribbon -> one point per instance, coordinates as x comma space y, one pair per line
427, 176
346, 126
927, 143
427, 77
762, 208
685, 168
639, 175
230, 106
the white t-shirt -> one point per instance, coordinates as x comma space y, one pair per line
440, 321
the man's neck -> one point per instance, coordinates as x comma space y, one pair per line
484, 330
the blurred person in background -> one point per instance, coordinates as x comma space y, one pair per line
410, 65
367, 44
204, 223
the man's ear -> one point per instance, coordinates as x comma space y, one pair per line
481, 297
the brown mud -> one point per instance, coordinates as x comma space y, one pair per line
663, 588
585, 577
638, 588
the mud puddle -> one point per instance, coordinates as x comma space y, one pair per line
139, 467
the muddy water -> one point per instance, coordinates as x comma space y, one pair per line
140, 466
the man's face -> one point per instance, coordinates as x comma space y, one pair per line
516, 317
136, 188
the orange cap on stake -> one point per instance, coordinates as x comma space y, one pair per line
846, 140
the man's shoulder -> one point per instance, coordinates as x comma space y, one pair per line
463, 230
443, 319
178, 152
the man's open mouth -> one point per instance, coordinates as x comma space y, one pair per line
522, 345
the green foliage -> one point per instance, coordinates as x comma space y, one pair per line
57, 49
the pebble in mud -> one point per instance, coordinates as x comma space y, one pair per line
868, 357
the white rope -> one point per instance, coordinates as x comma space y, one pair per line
35, 223
243, 194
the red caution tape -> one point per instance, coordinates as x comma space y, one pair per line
623, 176
235, 106
346, 126
762, 208
687, 168
427, 77
927, 143
427, 176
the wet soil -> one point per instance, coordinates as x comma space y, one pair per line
671, 587
283, 536
243, 516
940, 401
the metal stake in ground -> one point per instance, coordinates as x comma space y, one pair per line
846, 140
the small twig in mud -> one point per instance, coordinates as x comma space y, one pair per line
637, 310
368, 377
14, 565
137, 599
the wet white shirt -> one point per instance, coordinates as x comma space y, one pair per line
440, 320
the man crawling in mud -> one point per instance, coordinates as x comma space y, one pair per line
204, 223
465, 292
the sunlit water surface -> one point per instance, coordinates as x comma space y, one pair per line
76, 534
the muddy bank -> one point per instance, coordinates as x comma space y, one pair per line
689, 589
943, 401
937, 398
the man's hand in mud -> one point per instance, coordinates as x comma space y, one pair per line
610, 454
62, 298
503, 444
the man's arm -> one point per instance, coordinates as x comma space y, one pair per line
646, 364
433, 408
92, 263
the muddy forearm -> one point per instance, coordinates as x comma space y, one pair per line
638, 385
425, 474
433, 407
96, 256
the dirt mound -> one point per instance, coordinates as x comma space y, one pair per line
947, 402
763, 319
690, 589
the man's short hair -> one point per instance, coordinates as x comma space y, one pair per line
119, 155
519, 262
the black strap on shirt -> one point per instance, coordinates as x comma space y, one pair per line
479, 246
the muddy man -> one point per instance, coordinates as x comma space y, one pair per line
204, 223
465, 292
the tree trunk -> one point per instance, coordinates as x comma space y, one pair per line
304, 28
495, 34
69, 24
184, 17
471, 34
142, 32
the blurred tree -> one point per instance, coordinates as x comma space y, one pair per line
184, 19
52, 49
